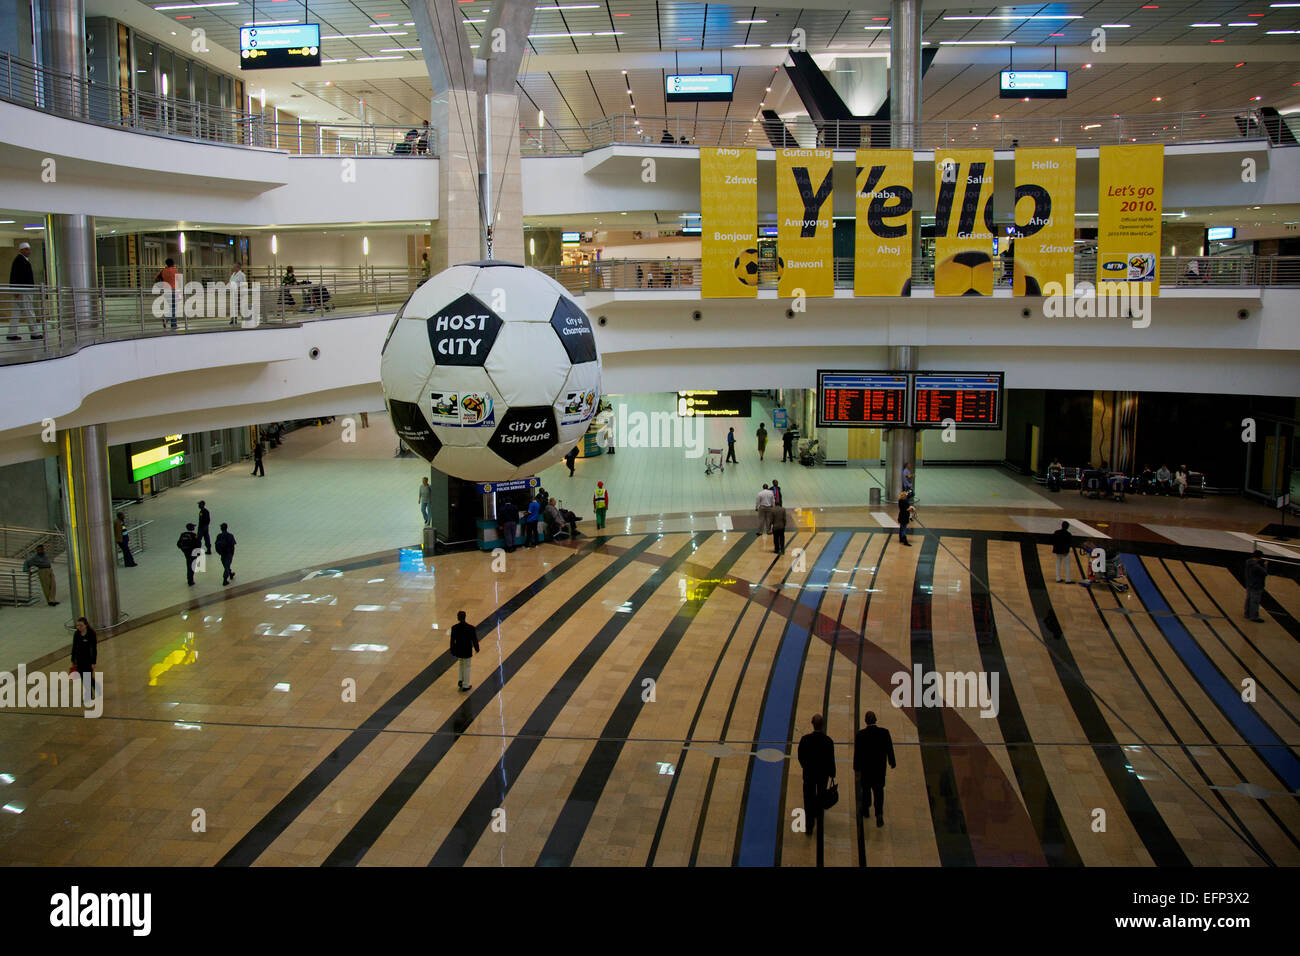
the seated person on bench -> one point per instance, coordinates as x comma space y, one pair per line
1055, 472
570, 519
1146, 481
1180, 481
1164, 480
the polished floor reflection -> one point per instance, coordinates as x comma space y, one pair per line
637, 698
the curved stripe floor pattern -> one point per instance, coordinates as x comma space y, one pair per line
637, 699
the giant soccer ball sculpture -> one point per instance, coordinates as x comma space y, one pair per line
490, 371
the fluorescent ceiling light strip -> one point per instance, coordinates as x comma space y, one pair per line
267, 23
977, 42
341, 60
363, 36
1250, 23
376, 26
1117, 26
1205, 24
198, 6
570, 6
1035, 16
555, 36
363, 58
875, 28
751, 21
402, 49
1278, 32
743, 46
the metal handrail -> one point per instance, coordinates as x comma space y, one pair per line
685, 273
63, 94
1210, 126
19, 543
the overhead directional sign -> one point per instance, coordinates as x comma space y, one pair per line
1034, 84
278, 47
699, 88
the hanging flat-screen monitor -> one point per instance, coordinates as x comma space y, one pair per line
861, 399
1034, 84
700, 88
278, 47
966, 399
1221, 233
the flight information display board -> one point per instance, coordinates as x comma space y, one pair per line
968, 399
861, 399
279, 47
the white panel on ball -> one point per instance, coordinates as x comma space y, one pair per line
437, 291
576, 405
528, 363
518, 295
404, 367
463, 408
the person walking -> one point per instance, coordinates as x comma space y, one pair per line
40, 563
570, 457
529, 522
24, 302
257, 459
508, 515
777, 524
817, 760
600, 502
1061, 543
908, 485
761, 439
1256, 574
464, 645
205, 527
731, 446
904, 518
425, 492
763, 505
787, 445
85, 652
226, 551
123, 540
188, 545
872, 748
776, 494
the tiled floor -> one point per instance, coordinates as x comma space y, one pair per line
637, 697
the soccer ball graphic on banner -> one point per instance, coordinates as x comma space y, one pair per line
490, 371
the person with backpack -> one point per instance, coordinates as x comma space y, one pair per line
188, 544
226, 551
464, 645
600, 502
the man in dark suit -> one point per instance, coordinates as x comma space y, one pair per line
188, 543
205, 527
872, 747
817, 759
464, 645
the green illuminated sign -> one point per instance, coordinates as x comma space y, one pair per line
157, 467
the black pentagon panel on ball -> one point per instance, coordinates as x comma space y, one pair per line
525, 433
574, 329
463, 332
413, 429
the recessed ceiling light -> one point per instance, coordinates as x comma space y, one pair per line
974, 43
751, 21
1087, 66
1246, 23
1206, 24
1117, 26
1035, 16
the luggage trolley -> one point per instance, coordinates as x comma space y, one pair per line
714, 461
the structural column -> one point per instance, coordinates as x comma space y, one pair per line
905, 74
88, 524
905, 133
902, 441
69, 239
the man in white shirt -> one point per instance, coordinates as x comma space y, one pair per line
238, 290
763, 505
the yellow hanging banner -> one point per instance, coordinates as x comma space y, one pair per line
882, 250
804, 239
1131, 188
1043, 250
963, 222
729, 217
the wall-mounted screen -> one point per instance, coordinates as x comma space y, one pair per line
700, 88
278, 47
1221, 233
861, 399
1034, 84
967, 399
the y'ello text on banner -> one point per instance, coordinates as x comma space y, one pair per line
963, 222
729, 216
882, 252
1044, 245
804, 227
1131, 194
